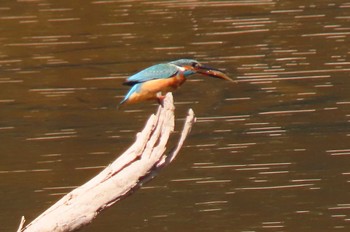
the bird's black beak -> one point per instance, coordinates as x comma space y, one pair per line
213, 72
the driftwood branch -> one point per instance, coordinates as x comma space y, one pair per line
127, 173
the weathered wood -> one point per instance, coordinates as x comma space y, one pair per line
127, 173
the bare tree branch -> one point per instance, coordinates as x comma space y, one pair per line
127, 173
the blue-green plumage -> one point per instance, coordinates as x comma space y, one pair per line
158, 71
184, 62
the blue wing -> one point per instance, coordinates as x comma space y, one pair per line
158, 71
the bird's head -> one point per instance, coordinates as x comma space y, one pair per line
192, 66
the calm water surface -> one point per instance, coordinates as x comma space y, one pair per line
270, 153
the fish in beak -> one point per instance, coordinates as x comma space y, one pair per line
213, 72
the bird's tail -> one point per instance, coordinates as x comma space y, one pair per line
121, 104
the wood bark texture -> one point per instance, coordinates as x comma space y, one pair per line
128, 172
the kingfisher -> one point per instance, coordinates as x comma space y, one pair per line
155, 81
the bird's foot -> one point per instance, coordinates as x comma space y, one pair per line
160, 100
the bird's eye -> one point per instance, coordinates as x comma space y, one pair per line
194, 65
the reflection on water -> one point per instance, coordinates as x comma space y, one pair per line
267, 154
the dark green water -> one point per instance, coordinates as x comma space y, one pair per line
271, 153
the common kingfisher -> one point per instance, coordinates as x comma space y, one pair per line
152, 82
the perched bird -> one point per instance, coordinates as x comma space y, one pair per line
152, 82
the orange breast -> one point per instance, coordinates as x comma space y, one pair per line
163, 85
149, 89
